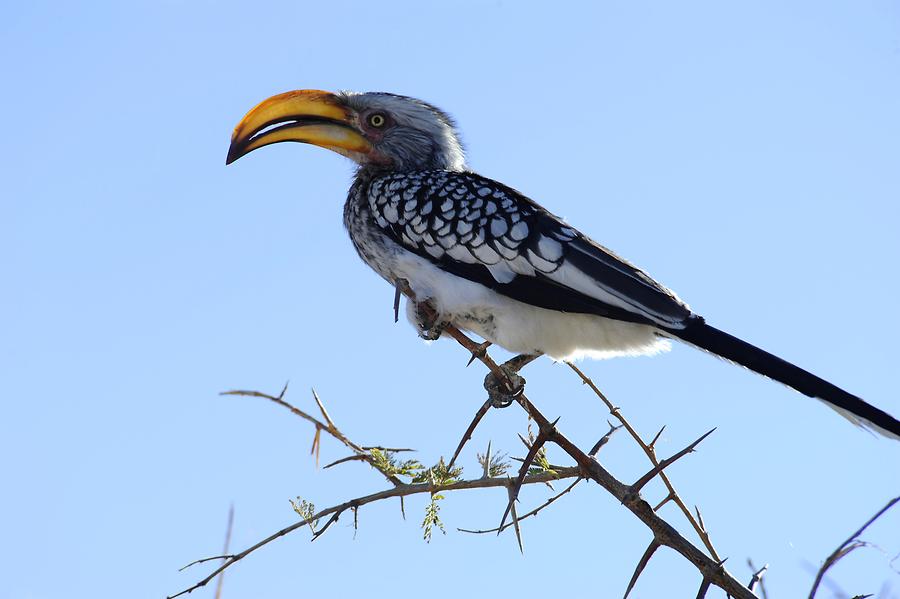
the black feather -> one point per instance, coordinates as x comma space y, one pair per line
731, 348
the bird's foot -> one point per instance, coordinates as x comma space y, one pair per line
428, 321
503, 390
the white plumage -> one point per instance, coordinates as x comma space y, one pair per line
520, 327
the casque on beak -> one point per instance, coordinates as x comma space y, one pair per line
306, 116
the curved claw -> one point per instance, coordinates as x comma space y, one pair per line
427, 320
434, 332
504, 391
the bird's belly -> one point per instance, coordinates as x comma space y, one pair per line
520, 327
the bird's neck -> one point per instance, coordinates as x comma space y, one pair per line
370, 172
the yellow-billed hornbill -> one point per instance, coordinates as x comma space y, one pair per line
490, 260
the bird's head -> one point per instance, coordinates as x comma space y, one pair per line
376, 130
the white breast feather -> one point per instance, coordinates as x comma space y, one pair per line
522, 328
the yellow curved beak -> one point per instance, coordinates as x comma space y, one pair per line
306, 116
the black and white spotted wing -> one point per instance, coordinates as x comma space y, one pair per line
486, 232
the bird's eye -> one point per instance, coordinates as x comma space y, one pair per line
377, 120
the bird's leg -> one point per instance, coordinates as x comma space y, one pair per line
503, 392
517, 363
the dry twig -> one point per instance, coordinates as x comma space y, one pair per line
533, 512
848, 546
360, 452
757, 579
218, 594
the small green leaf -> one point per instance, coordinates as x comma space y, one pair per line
439, 474
388, 464
499, 464
432, 518
306, 510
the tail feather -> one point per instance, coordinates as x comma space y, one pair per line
731, 348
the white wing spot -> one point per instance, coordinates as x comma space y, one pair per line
519, 231
539, 263
521, 266
550, 249
498, 227
501, 273
446, 241
486, 254
461, 254
507, 252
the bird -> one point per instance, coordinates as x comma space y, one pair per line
487, 259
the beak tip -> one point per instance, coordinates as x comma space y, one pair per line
232, 155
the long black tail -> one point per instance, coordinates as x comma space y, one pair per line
731, 348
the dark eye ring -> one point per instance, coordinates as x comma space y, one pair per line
377, 120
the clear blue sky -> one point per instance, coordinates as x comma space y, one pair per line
744, 154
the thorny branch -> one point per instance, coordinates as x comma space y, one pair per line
359, 452
504, 387
712, 569
403, 490
642, 563
545, 435
468, 434
533, 512
650, 450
